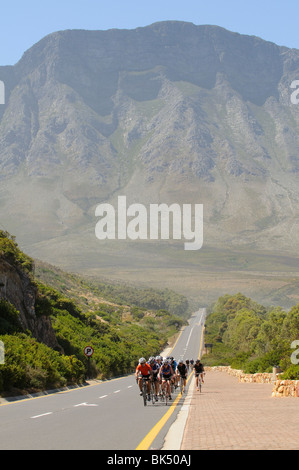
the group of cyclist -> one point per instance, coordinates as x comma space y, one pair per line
164, 371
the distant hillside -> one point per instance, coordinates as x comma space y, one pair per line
88, 293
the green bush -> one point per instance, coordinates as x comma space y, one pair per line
31, 366
9, 248
9, 318
249, 337
292, 373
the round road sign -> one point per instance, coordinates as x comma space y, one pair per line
88, 351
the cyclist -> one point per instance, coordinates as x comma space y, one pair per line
187, 364
174, 364
159, 360
155, 369
181, 371
166, 372
198, 370
144, 370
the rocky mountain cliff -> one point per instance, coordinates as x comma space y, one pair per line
17, 287
171, 112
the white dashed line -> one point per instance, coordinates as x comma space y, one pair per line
85, 404
39, 416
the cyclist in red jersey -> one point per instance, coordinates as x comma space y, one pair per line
143, 370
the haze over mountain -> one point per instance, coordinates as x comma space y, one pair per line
171, 112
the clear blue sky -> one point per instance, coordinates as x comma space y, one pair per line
25, 22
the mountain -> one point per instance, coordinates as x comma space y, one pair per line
168, 113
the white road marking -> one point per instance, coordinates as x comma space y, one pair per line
85, 404
103, 396
116, 391
39, 416
189, 337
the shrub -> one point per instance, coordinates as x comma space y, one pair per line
292, 373
9, 318
31, 366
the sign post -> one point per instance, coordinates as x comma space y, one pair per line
209, 345
88, 351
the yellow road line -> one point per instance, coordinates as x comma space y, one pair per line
146, 442
149, 438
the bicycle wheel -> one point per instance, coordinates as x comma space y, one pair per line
181, 385
164, 394
144, 395
153, 393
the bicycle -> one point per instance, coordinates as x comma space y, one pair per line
198, 382
153, 392
163, 395
172, 386
182, 387
166, 389
144, 389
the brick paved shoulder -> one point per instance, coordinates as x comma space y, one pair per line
240, 416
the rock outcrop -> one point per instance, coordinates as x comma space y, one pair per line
17, 287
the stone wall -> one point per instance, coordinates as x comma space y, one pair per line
254, 378
281, 388
286, 388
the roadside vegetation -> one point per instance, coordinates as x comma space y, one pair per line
121, 323
250, 337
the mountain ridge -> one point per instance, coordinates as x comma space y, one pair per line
170, 112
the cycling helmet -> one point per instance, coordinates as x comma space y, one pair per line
158, 358
180, 361
142, 360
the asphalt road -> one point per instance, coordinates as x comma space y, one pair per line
105, 416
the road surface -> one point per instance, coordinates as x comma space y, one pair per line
105, 416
